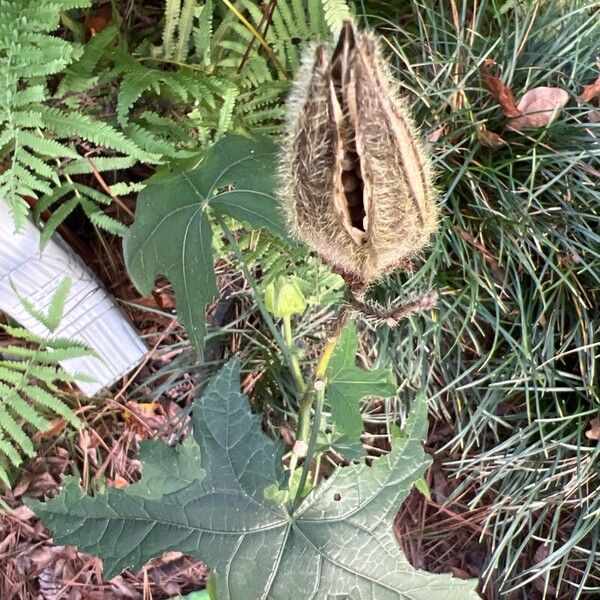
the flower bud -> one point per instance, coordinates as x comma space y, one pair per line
284, 298
356, 181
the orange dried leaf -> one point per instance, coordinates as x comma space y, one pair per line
57, 427
118, 482
434, 136
138, 409
490, 139
590, 92
539, 107
502, 93
96, 22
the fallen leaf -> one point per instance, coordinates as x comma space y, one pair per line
118, 482
22, 513
97, 21
593, 433
57, 428
502, 93
490, 139
460, 573
34, 484
590, 92
539, 107
594, 116
145, 417
122, 588
434, 136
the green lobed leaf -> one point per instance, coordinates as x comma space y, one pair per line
338, 543
347, 384
166, 469
172, 235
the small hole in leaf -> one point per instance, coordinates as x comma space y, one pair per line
337, 497
230, 187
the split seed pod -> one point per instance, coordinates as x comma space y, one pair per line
356, 181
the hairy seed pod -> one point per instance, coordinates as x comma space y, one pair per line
356, 181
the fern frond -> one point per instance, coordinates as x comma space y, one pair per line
184, 29
13, 401
29, 377
124, 189
102, 163
57, 305
12, 429
134, 84
78, 76
172, 9
105, 222
336, 12
226, 112
75, 124
202, 32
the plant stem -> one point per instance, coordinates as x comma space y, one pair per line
294, 364
305, 442
287, 354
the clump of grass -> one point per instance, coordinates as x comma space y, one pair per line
511, 357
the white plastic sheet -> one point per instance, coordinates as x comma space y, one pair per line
91, 316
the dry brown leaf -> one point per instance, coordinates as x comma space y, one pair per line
434, 136
590, 92
502, 93
460, 573
539, 107
594, 116
58, 425
490, 139
98, 20
118, 482
34, 484
22, 513
593, 433
123, 588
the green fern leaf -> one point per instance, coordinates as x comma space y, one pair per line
336, 12
134, 84
12, 400
172, 11
107, 223
26, 384
101, 164
74, 124
40, 396
226, 112
13, 430
184, 29
202, 32
57, 305
46, 147
9, 451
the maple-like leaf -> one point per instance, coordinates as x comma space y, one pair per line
339, 542
172, 235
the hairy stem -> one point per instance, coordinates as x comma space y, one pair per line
294, 364
306, 439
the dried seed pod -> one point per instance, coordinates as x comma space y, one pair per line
356, 181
